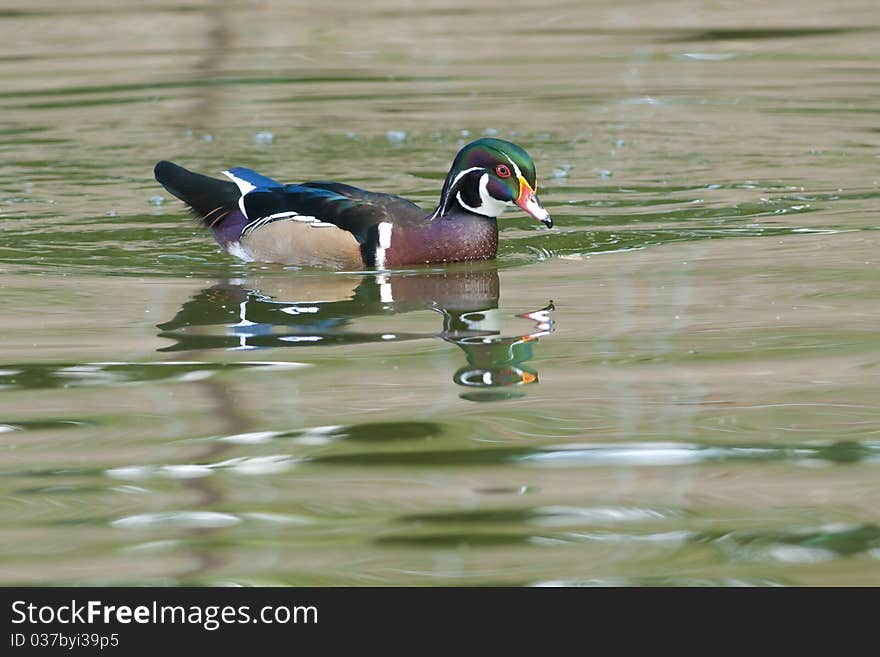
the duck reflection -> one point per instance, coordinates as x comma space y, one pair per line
284, 311
493, 360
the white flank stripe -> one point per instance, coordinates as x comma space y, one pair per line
384, 229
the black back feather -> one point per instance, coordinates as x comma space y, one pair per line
211, 199
350, 208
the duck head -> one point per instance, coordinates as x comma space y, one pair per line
487, 176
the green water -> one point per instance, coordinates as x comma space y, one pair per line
677, 385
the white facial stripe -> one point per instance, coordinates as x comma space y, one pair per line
385, 234
384, 229
442, 208
489, 205
512, 163
494, 205
465, 205
244, 187
462, 174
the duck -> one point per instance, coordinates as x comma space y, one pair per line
338, 226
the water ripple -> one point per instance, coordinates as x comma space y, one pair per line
34, 376
177, 520
669, 453
253, 465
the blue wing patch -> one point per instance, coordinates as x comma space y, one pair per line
248, 180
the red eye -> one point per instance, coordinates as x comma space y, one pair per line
502, 171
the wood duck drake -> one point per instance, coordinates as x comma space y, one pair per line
329, 224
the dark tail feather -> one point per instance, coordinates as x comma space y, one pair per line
211, 199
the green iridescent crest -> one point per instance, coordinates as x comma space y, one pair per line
489, 152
